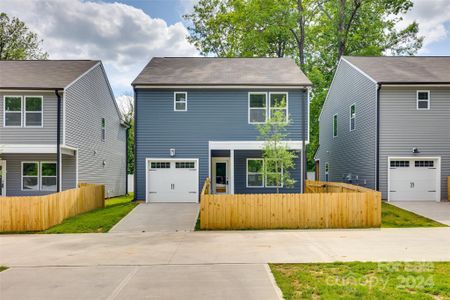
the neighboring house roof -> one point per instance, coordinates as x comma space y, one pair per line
211, 71
42, 74
404, 69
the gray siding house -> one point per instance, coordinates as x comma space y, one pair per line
386, 125
59, 126
195, 118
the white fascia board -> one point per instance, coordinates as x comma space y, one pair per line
248, 145
34, 148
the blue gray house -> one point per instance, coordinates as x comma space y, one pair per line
59, 126
386, 125
195, 118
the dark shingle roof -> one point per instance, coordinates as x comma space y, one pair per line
42, 74
404, 69
221, 71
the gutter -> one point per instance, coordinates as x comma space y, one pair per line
58, 142
377, 155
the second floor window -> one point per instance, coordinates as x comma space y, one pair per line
23, 111
257, 108
278, 105
423, 100
180, 101
352, 117
33, 112
335, 125
12, 116
103, 129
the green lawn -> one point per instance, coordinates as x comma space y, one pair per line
364, 280
392, 216
99, 220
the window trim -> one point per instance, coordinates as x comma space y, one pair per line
354, 118
175, 101
24, 112
38, 175
428, 100
265, 108
247, 173
287, 105
41, 176
21, 111
337, 125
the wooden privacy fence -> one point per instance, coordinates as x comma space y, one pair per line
349, 207
32, 213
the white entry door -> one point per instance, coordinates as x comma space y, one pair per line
2, 177
220, 175
414, 180
172, 180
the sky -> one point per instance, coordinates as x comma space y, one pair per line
126, 34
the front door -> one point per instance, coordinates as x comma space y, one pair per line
2, 177
220, 174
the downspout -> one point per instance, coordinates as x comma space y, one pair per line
135, 146
377, 157
58, 142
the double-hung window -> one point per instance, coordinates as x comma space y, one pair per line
257, 108
352, 117
423, 100
39, 176
180, 101
274, 173
12, 108
103, 129
255, 173
33, 111
335, 125
30, 176
279, 107
48, 176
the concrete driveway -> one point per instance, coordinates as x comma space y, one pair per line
438, 211
159, 217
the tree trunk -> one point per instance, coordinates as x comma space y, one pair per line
301, 39
341, 28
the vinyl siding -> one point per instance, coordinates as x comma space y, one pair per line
87, 101
351, 152
403, 127
24, 135
212, 115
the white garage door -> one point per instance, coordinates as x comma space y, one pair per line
413, 180
172, 181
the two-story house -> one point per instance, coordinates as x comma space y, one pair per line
386, 125
196, 118
59, 126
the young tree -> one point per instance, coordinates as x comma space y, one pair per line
17, 41
278, 159
126, 105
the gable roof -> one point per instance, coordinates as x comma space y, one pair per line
404, 69
42, 74
213, 71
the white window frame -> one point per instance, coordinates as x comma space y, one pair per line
41, 176
252, 173
287, 105
24, 109
337, 125
421, 100
250, 108
37, 176
265, 177
352, 118
175, 101
327, 172
4, 111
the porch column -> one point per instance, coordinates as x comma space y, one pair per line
231, 179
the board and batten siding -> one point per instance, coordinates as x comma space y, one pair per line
27, 135
403, 127
212, 115
87, 101
351, 152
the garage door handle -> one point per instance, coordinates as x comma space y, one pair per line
393, 191
192, 192
431, 191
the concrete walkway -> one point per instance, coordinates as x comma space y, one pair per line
438, 211
159, 217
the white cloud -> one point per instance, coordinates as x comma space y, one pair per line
433, 17
122, 36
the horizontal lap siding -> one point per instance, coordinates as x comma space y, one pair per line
213, 115
403, 127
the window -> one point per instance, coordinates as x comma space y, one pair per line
255, 172
335, 125
423, 100
33, 111
352, 117
160, 165
274, 173
48, 176
399, 164
257, 111
180, 101
30, 176
103, 129
12, 111
424, 164
185, 165
327, 169
279, 106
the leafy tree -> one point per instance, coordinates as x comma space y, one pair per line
127, 108
17, 41
278, 159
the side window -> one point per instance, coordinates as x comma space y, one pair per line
279, 106
12, 111
180, 101
423, 100
103, 129
327, 176
335, 125
257, 108
352, 117
33, 111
